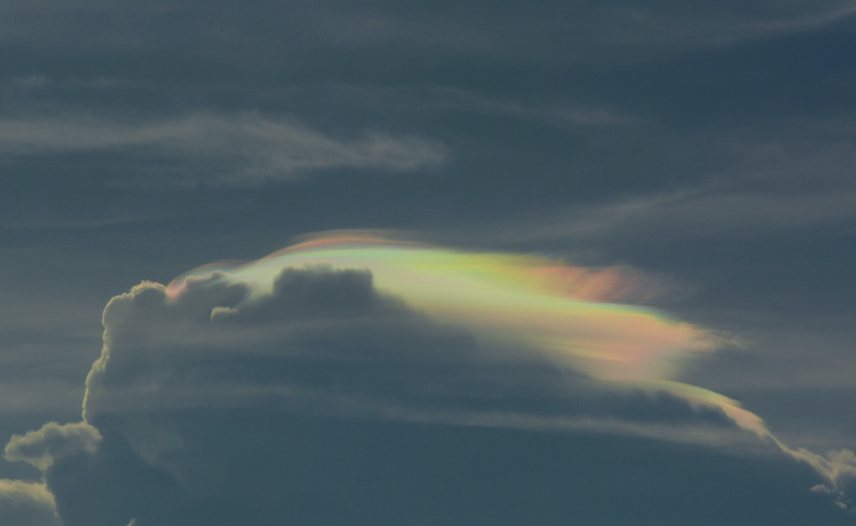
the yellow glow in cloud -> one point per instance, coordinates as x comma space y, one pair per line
568, 314
531, 306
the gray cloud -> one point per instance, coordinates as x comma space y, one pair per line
239, 149
554, 33
701, 213
327, 340
607, 129
737, 184
717, 24
27, 504
53, 441
188, 387
839, 468
564, 115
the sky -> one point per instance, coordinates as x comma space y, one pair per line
449, 263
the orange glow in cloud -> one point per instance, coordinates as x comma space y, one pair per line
568, 314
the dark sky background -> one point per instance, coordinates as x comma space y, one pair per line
709, 144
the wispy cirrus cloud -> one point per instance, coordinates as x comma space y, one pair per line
243, 148
721, 25
739, 184
564, 115
554, 33
691, 213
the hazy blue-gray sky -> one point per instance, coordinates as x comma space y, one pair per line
704, 148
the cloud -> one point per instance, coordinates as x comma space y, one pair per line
53, 441
473, 322
568, 313
698, 213
211, 393
244, 148
27, 504
839, 468
331, 34
737, 185
571, 116
562, 33
327, 339
714, 24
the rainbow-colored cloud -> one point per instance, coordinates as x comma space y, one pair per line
518, 308
573, 316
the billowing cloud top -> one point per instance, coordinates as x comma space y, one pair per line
582, 319
365, 328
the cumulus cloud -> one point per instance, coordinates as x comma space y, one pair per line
53, 441
27, 504
212, 394
323, 341
839, 469
326, 338
242, 148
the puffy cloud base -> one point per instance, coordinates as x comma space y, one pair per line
27, 504
327, 401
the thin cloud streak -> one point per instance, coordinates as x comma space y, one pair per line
606, 31
717, 30
569, 116
259, 149
681, 214
555, 33
761, 183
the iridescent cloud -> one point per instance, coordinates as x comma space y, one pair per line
570, 314
526, 307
